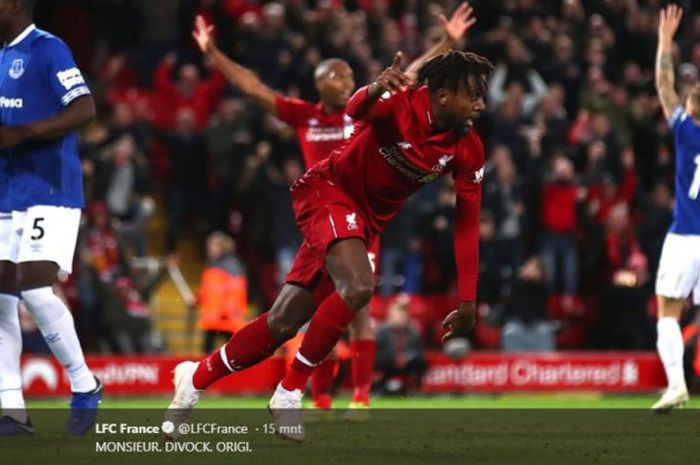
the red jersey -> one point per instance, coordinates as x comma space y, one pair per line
167, 100
319, 133
394, 152
558, 210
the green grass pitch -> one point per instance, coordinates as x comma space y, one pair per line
508, 401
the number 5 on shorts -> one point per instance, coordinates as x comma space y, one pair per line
37, 229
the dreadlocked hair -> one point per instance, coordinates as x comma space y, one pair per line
452, 70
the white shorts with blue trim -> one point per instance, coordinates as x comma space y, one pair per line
40, 233
679, 267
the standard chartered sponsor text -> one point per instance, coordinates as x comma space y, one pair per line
530, 372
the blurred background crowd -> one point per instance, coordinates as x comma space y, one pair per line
577, 196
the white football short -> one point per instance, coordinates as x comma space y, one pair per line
41, 233
5, 236
679, 267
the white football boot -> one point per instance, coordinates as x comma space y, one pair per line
186, 397
286, 410
674, 396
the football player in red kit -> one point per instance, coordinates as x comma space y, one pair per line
321, 128
407, 134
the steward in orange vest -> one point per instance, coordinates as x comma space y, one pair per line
223, 297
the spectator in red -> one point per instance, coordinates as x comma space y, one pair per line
604, 191
559, 225
186, 90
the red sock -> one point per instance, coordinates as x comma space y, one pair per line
297, 375
362, 353
326, 327
322, 382
251, 345
323, 401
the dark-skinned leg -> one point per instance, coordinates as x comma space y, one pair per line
362, 351
250, 345
34, 275
350, 270
259, 339
351, 273
8, 278
11, 397
55, 321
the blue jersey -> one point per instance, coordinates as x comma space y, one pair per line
686, 133
38, 79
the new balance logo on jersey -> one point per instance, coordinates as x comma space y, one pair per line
348, 126
440, 166
351, 219
234, 366
70, 78
11, 102
479, 176
17, 69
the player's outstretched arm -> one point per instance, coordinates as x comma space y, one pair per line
466, 246
78, 112
669, 20
391, 80
455, 29
243, 78
366, 105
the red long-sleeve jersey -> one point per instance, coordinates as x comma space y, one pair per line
319, 133
393, 152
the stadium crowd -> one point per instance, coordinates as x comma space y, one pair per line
579, 171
